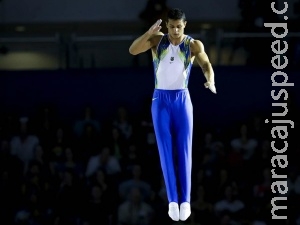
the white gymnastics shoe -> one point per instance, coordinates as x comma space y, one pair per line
185, 211
174, 211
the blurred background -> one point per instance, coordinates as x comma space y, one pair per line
77, 145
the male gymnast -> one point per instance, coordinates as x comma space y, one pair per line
172, 110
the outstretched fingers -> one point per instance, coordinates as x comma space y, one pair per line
156, 26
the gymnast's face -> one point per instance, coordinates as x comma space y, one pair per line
176, 28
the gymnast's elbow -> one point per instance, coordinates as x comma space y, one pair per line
133, 51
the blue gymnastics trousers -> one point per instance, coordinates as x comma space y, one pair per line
172, 115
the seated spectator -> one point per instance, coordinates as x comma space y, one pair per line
59, 142
88, 119
11, 173
123, 123
10, 163
135, 210
23, 144
135, 182
69, 197
263, 155
117, 141
108, 187
45, 122
210, 143
35, 195
132, 158
97, 209
70, 163
41, 160
213, 159
244, 143
227, 220
105, 161
202, 211
230, 205
162, 192
262, 189
222, 181
87, 144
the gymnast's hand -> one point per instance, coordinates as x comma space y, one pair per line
155, 27
211, 86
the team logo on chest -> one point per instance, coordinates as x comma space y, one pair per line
171, 59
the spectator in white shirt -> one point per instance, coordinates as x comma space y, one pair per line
105, 161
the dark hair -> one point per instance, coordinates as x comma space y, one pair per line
176, 14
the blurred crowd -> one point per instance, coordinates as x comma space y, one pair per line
96, 171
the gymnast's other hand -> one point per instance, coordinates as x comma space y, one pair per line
211, 86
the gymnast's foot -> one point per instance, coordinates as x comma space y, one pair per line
174, 211
185, 211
